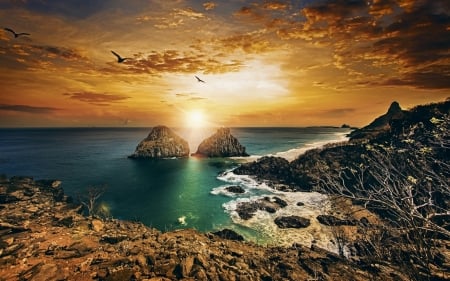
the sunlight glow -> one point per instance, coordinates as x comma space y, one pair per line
195, 119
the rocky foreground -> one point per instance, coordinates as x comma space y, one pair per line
44, 236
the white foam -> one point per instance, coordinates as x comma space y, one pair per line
246, 181
182, 220
263, 222
222, 190
294, 153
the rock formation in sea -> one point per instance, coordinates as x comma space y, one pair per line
221, 144
161, 142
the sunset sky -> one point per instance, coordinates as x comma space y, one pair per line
265, 63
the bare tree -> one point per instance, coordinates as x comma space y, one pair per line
412, 196
89, 200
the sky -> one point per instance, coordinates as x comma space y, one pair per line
263, 63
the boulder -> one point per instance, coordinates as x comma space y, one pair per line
229, 234
246, 210
268, 168
292, 222
161, 142
221, 144
235, 189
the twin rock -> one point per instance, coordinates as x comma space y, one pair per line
162, 142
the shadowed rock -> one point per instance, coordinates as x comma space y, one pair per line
229, 234
292, 222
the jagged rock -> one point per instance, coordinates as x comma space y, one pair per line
292, 222
229, 234
114, 238
246, 210
221, 144
97, 225
161, 142
267, 168
334, 221
235, 189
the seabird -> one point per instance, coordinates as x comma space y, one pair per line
200, 80
119, 58
16, 34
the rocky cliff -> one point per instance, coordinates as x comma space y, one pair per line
381, 124
162, 142
43, 236
221, 144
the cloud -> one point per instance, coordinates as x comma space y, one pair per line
27, 108
188, 12
96, 98
173, 61
67, 8
275, 5
56, 52
252, 43
209, 6
409, 39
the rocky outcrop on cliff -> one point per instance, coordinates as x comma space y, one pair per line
161, 142
44, 237
221, 144
380, 124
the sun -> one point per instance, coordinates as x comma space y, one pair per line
195, 119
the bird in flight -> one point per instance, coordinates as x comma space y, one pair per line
199, 80
16, 34
119, 58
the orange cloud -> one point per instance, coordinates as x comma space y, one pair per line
27, 108
96, 98
209, 5
173, 61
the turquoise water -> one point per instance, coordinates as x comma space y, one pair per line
166, 194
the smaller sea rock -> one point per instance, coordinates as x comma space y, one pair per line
235, 189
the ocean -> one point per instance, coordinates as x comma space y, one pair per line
170, 193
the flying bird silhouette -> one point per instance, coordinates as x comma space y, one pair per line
16, 34
119, 58
199, 80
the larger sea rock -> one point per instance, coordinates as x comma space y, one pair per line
162, 142
221, 144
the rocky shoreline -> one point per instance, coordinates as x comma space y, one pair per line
45, 236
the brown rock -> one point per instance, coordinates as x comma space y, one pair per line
97, 225
186, 266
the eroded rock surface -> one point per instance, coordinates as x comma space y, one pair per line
221, 144
161, 142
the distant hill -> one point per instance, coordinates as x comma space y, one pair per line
380, 124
